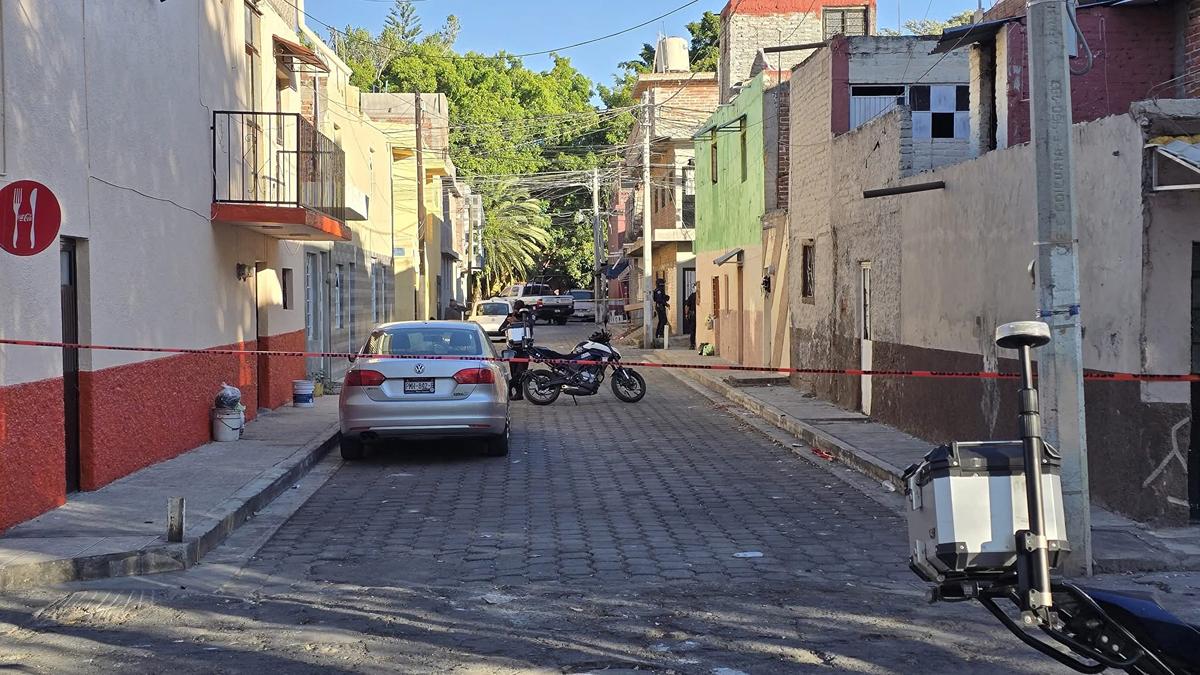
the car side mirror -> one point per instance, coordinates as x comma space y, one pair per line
508, 354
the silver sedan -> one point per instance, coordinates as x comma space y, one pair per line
458, 395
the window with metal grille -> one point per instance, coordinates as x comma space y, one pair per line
744, 150
339, 275
844, 21
808, 278
712, 156
286, 284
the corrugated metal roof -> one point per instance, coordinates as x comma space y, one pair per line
1183, 151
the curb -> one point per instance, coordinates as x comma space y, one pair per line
847, 454
201, 537
1144, 556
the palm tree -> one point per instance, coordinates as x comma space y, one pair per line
514, 234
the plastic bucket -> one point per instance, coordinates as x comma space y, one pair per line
227, 424
302, 393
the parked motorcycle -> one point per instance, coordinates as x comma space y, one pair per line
986, 523
581, 372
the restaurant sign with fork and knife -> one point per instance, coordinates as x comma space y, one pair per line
32, 224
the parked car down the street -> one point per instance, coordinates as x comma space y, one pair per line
546, 305
490, 315
387, 398
585, 303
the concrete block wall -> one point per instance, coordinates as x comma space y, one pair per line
926, 154
743, 35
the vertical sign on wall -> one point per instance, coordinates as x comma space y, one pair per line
30, 218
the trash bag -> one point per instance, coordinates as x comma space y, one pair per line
229, 398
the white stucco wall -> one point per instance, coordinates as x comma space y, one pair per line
118, 126
966, 248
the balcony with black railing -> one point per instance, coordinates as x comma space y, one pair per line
276, 174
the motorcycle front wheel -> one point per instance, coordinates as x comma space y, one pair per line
538, 391
628, 385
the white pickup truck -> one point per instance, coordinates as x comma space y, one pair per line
585, 303
541, 298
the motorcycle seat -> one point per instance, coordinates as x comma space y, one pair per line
544, 353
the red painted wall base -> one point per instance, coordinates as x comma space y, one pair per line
275, 373
32, 460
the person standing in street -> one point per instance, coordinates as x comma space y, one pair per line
661, 304
520, 316
689, 317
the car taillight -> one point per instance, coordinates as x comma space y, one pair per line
539, 303
475, 376
363, 378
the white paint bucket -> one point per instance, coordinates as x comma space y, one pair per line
227, 424
302, 393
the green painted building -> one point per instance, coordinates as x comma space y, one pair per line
741, 164
730, 173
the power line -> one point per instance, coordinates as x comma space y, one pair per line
589, 41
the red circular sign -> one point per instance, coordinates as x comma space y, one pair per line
29, 217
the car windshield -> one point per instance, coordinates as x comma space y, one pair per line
581, 295
534, 289
425, 341
491, 309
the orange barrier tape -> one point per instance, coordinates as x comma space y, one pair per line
936, 374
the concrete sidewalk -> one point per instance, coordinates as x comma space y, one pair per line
120, 529
882, 452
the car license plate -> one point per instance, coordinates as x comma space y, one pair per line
419, 386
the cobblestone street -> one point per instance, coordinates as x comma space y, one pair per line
667, 536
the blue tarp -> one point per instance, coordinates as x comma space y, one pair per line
615, 271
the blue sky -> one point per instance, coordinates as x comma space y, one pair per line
520, 26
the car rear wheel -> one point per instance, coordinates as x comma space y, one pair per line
538, 391
352, 448
497, 446
562, 321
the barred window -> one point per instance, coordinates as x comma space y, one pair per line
844, 21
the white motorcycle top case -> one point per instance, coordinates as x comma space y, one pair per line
965, 502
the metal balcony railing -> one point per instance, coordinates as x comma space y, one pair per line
276, 159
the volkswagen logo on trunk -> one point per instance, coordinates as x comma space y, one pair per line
419, 368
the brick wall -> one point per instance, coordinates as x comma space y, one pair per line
1191, 49
1134, 59
784, 100
808, 211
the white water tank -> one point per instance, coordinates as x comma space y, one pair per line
671, 56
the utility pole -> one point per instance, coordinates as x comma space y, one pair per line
647, 227
597, 245
418, 119
1060, 370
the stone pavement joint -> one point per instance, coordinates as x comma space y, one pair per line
120, 529
882, 452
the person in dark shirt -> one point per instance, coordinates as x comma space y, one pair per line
689, 317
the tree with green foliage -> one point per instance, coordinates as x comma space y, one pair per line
403, 21
515, 234
705, 50
504, 119
932, 26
